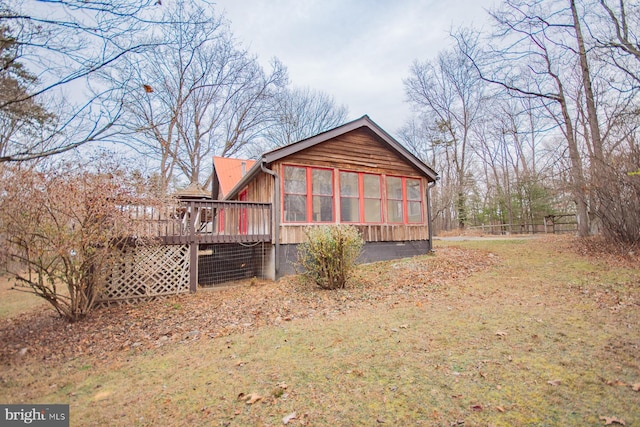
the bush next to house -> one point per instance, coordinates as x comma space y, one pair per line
329, 254
60, 223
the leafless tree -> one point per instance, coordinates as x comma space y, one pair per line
424, 139
553, 53
449, 94
620, 37
197, 94
63, 44
529, 61
301, 113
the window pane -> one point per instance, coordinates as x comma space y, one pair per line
414, 209
322, 182
394, 188
413, 189
349, 184
295, 208
372, 186
349, 209
322, 209
395, 211
372, 210
295, 180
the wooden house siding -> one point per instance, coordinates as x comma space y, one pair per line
294, 234
261, 189
360, 147
359, 150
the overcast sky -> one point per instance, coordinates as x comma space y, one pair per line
358, 51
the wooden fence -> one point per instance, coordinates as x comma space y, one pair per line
552, 224
206, 221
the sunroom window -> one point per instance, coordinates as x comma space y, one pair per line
349, 197
295, 194
414, 201
322, 183
308, 194
395, 212
372, 198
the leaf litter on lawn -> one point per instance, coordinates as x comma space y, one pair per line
409, 342
211, 313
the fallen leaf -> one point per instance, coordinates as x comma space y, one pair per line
554, 382
476, 408
291, 416
616, 382
103, 335
635, 387
501, 333
303, 420
612, 420
404, 326
250, 399
253, 398
102, 395
282, 385
500, 408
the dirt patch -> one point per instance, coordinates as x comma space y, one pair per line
44, 336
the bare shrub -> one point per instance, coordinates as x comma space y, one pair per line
60, 226
329, 254
618, 196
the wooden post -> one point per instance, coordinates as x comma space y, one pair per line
193, 250
193, 267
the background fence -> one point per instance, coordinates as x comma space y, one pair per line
552, 224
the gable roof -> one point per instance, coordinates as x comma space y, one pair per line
230, 171
193, 190
364, 121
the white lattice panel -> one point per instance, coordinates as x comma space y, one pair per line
148, 272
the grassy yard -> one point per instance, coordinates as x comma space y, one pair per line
541, 337
12, 301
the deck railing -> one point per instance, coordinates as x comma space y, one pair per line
206, 221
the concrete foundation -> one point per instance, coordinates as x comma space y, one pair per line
371, 252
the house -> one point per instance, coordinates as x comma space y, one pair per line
251, 223
353, 174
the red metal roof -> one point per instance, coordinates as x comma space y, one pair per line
230, 172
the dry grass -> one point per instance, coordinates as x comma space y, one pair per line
544, 337
14, 301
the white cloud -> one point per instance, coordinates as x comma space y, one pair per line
358, 51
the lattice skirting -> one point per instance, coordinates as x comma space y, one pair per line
145, 272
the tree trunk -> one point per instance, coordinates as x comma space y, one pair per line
577, 173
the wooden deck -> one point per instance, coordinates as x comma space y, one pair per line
207, 222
